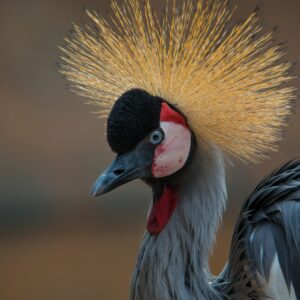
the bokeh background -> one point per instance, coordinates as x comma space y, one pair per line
56, 241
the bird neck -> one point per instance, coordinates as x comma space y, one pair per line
174, 263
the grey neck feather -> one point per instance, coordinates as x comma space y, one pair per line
174, 264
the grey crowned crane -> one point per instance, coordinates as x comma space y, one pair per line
179, 93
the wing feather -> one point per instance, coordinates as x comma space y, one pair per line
268, 227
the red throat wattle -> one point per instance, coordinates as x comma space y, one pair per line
162, 210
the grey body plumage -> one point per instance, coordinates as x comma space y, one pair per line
268, 229
174, 264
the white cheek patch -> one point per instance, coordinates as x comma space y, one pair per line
171, 155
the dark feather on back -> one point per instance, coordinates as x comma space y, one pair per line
269, 225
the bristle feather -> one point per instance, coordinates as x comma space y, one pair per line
226, 79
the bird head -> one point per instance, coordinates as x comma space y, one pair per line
153, 142
151, 138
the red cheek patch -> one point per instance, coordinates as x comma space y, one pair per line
171, 155
167, 114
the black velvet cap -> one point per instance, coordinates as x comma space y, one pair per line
134, 115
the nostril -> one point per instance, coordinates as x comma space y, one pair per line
118, 172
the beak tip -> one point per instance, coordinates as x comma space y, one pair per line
99, 187
95, 192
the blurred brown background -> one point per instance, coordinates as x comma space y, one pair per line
56, 242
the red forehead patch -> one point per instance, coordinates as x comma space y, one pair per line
167, 114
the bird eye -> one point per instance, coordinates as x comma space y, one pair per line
156, 137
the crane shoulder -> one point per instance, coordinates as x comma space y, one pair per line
264, 259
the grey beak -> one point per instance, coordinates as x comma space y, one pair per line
125, 168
